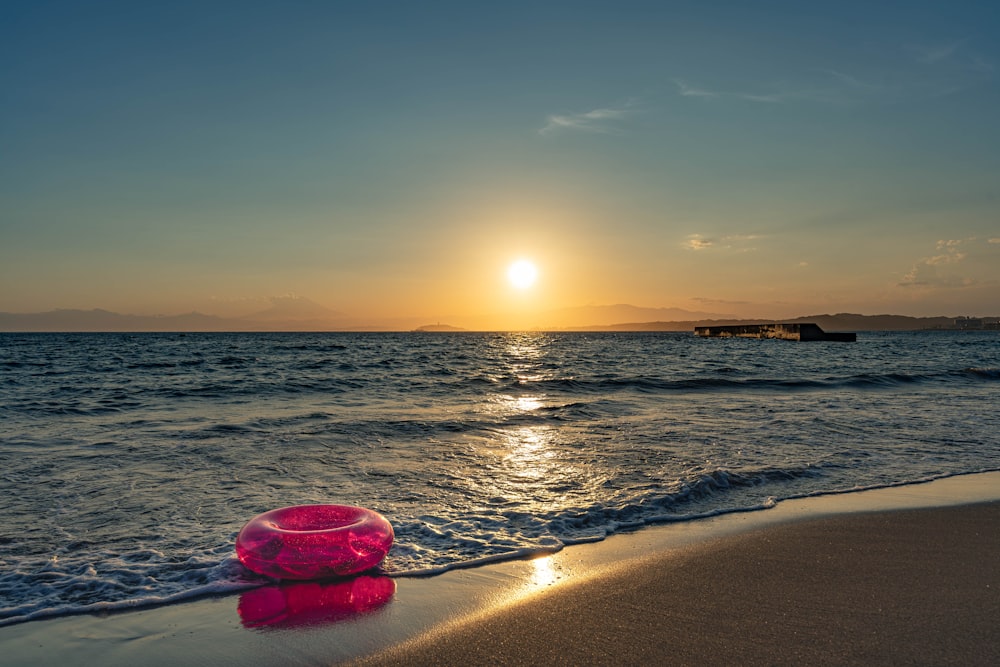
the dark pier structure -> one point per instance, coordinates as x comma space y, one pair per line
802, 332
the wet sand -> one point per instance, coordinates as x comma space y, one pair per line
904, 587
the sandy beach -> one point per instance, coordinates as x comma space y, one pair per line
905, 587
903, 575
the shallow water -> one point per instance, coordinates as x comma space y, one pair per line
129, 462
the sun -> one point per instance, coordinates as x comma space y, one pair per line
522, 274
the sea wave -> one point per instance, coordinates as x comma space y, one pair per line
716, 384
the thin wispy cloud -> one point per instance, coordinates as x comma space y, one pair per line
698, 242
600, 121
981, 65
773, 98
937, 53
737, 242
927, 71
951, 254
776, 97
930, 272
690, 91
851, 80
953, 67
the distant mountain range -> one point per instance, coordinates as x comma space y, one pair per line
298, 314
103, 320
294, 308
286, 313
591, 316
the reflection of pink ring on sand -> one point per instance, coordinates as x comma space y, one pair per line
303, 603
314, 541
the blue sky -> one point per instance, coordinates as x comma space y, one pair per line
391, 159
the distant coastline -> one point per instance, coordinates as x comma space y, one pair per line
833, 323
87, 321
438, 327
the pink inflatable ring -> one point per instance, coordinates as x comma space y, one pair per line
314, 541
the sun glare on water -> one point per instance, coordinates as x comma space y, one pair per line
522, 274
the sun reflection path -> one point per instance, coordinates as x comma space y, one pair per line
530, 458
523, 346
527, 403
524, 356
530, 471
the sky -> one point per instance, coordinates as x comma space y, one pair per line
391, 160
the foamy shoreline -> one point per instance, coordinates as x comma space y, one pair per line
209, 630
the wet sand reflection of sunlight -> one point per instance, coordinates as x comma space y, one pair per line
540, 575
543, 574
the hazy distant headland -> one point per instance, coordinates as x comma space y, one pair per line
438, 327
66, 320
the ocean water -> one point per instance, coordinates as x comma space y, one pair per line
128, 463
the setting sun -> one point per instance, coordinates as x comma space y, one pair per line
522, 274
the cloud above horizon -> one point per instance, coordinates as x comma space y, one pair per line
925, 72
686, 90
852, 80
698, 242
599, 121
936, 53
927, 272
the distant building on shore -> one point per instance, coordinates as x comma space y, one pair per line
977, 323
804, 331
